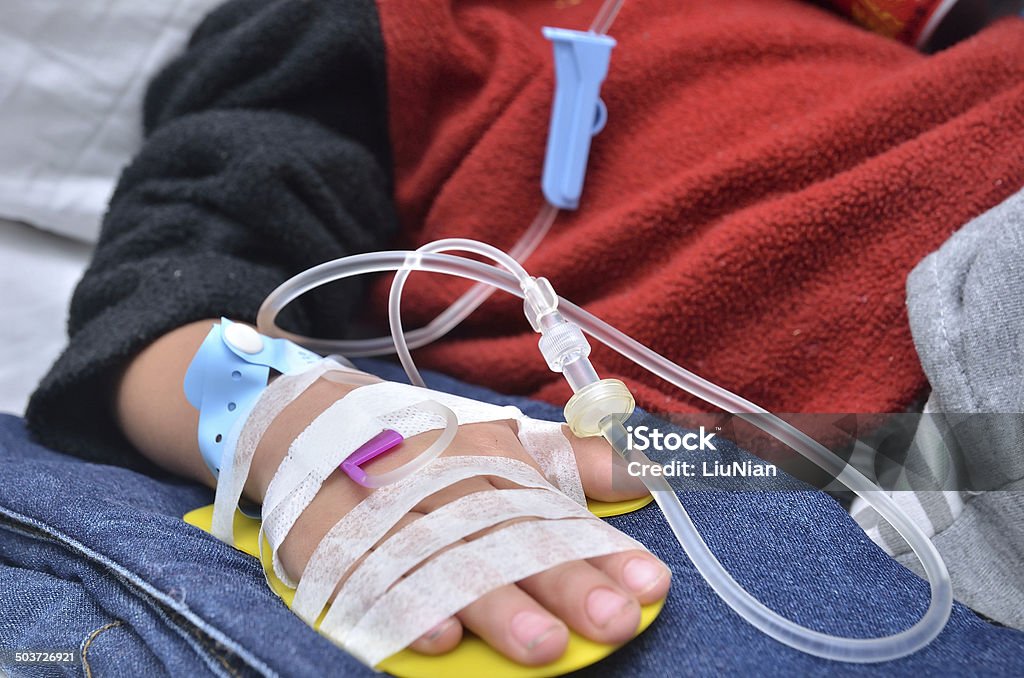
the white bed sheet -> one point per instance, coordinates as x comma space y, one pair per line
38, 272
72, 78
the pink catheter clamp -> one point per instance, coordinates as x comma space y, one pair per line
389, 439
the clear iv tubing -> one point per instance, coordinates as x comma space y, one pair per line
452, 316
753, 611
464, 306
606, 16
398, 341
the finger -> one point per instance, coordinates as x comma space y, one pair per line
602, 471
516, 625
587, 599
638, 572
442, 638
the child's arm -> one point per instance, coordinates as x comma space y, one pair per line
527, 622
159, 422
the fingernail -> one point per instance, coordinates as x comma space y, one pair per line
641, 574
436, 632
604, 604
531, 628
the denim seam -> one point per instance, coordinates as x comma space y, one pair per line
129, 577
192, 635
215, 650
88, 642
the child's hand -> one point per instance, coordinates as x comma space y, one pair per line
599, 598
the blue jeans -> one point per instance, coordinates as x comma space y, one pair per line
96, 559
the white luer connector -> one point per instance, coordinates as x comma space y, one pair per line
566, 350
562, 344
539, 300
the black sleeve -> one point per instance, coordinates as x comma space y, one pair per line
266, 152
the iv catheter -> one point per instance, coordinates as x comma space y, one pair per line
604, 407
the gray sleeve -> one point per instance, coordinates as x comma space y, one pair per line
966, 308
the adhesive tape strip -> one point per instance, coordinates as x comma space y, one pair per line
472, 657
279, 394
428, 535
339, 431
388, 396
426, 410
463, 574
545, 441
367, 523
311, 458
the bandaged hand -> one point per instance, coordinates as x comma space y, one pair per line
527, 619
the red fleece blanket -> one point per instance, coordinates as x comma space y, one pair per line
768, 176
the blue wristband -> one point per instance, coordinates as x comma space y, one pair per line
227, 376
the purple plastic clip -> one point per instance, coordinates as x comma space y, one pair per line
376, 446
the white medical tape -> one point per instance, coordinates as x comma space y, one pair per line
349, 375
412, 420
435, 531
322, 446
367, 523
350, 422
231, 480
338, 432
466, 572
379, 399
311, 458
545, 441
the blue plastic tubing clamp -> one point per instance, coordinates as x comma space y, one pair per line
581, 64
